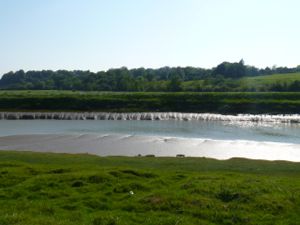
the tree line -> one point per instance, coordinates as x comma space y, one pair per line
219, 78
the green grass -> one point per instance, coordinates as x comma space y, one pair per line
213, 102
272, 79
37, 189
260, 82
250, 83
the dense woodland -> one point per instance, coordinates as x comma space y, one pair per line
221, 78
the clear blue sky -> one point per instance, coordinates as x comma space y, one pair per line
101, 34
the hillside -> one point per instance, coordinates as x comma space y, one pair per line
281, 82
269, 80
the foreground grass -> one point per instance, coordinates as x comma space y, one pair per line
37, 189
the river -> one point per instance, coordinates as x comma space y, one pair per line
221, 139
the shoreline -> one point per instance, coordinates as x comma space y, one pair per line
196, 102
131, 145
143, 157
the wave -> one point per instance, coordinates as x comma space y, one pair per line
264, 118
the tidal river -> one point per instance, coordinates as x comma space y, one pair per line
216, 138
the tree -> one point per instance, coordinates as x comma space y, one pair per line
175, 84
220, 78
233, 70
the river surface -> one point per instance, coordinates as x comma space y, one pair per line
216, 139
216, 130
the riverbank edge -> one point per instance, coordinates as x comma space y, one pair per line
212, 102
176, 158
235, 163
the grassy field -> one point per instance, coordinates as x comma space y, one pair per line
272, 79
255, 83
60, 189
213, 102
268, 80
250, 83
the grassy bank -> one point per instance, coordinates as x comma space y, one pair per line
214, 102
37, 189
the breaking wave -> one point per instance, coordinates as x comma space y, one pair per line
293, 118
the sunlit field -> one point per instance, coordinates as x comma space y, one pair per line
65, 189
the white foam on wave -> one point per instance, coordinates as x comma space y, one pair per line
264, 118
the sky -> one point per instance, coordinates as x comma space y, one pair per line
102, 34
